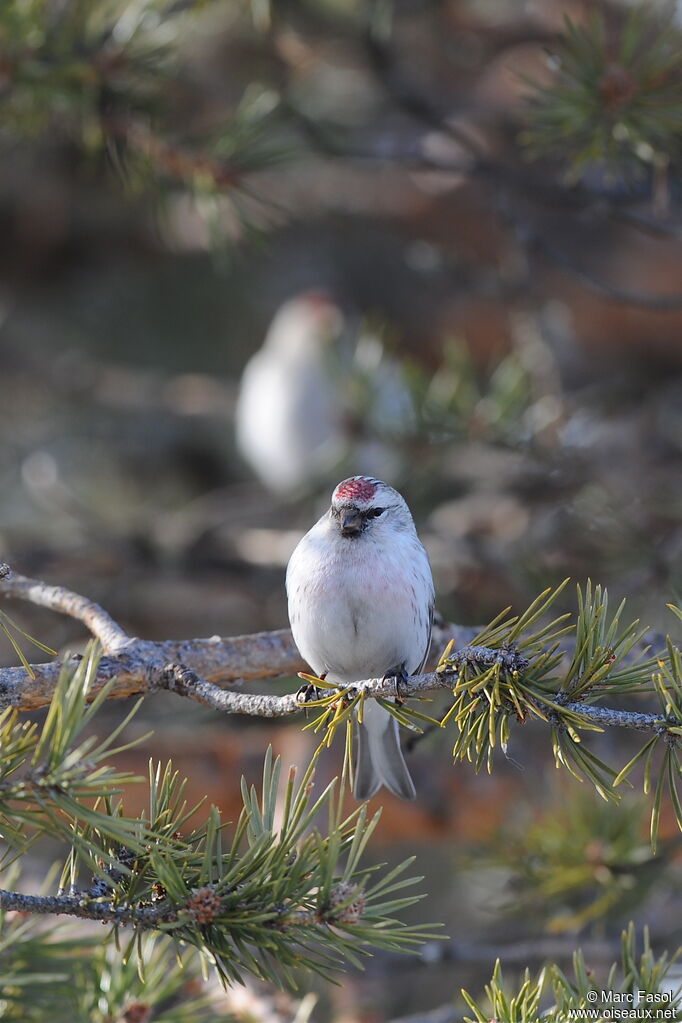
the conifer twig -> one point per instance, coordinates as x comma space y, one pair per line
192, 667
86, 907
184, 682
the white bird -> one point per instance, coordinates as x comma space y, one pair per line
361, 598
318, 393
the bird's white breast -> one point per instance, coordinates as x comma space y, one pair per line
358, 609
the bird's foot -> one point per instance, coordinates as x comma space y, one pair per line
400, 675
310, 693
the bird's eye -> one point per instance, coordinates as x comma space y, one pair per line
375, 512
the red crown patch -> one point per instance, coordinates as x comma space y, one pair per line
359, 488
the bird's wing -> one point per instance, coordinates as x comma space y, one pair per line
428, 641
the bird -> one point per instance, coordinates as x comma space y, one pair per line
321, 390
360, 598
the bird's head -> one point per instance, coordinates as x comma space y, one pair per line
364, 506
304, 324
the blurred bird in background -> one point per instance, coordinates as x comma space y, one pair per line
321, 393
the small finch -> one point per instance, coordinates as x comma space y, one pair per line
361, 600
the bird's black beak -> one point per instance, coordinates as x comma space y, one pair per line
352, 524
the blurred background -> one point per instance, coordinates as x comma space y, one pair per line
249, 249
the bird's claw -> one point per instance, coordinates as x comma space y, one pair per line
400, 675
309, 694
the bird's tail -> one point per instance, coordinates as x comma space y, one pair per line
379, 758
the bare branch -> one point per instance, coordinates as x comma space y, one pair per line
57, 598
185, 682
87, 908
657, 303
136, 667
521, 952
619, 718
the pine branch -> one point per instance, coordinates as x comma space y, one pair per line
192, 666
133, 666
184, 682
517, 668
201, 907
189, 667
279, 895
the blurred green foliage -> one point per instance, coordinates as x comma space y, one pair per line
459, 402
64, 975
616, 94
580, 863
111, 81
